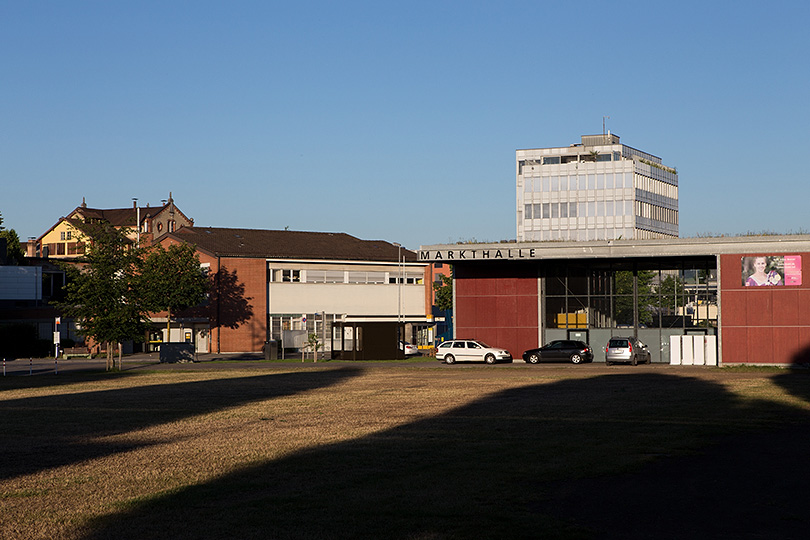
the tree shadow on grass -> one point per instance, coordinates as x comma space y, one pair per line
618, 456
45, 378
56, 426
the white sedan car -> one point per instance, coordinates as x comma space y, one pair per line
470, 350
408, 349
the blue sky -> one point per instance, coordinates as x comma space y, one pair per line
395, 120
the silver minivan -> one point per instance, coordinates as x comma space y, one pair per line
627, 349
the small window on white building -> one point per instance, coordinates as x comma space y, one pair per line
291, 276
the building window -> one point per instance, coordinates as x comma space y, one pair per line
315, 276
286, 276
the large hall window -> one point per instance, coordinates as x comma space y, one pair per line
628, 294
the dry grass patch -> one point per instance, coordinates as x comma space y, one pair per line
367, 452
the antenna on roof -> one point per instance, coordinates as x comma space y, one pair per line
604, 135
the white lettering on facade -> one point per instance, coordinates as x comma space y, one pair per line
477, 254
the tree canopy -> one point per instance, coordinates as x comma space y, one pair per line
14, 250
170, 279
116, 285
100, 293
444, 293
623, 302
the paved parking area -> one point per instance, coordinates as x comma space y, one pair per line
41, 366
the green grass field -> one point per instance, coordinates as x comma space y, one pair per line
372, 451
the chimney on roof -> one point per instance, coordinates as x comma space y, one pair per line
84, 203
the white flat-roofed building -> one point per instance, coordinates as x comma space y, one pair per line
596, 190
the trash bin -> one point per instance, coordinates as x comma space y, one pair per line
271, 350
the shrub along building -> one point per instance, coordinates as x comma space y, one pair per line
692, 301
357, 296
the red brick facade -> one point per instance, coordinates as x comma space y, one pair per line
245, 331
762, 325
498, 304
237, 312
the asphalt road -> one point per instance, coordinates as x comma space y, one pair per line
41, 366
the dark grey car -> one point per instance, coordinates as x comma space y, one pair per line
627, 349
560, 350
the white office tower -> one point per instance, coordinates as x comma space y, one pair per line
597, 190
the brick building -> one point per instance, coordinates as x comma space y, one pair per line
65, 239
286, 285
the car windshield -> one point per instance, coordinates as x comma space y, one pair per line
484, 345
617, 343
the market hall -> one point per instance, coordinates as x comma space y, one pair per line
696, 301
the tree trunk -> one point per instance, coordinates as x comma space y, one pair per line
110, 364
168, 325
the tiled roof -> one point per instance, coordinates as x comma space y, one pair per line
119, 217
290, 244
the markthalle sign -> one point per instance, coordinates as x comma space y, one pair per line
477, 254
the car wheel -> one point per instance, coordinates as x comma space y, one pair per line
576, 358
649, 359
449, 359
534, 358
489, 359
635, 360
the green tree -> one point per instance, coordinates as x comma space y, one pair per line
14, 250
170, 279
313, 344
100, 293
444, 293
671, 293
623, 297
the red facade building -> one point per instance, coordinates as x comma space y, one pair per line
519, 296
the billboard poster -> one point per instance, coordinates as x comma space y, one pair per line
772, 271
